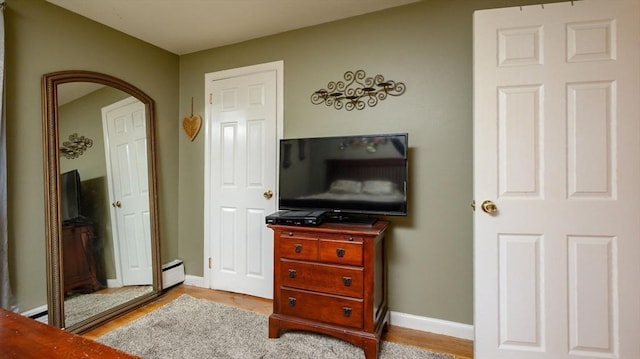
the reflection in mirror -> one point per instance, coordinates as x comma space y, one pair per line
103, 245
98, 273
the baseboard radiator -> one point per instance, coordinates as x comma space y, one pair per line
172, 273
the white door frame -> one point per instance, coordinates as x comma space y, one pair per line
278, 66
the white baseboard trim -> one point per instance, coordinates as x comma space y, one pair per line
114, 283
431, 325
37, 313
425, 324
195, 281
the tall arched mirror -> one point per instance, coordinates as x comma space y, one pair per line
103, 252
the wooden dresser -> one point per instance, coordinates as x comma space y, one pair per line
79, 258
330, 279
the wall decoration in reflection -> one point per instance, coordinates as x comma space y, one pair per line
76, 146
357, 91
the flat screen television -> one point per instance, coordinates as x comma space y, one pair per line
347, 176
70, 197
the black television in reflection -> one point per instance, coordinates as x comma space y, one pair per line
70, 197
362, 175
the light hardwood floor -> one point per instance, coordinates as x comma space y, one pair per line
459, 348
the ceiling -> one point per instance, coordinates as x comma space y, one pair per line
186, 26
74, 90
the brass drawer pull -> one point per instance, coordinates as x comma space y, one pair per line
297, 248
292, 301
346, 281
340, 252
346, 311
290, 234
292, 273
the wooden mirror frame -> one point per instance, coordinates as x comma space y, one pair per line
53, 225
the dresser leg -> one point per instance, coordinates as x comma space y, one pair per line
274, 328
371, 349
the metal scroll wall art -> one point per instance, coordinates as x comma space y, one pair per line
357, 91
75, 146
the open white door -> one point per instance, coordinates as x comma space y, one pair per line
240, 182
557, 148
124, 125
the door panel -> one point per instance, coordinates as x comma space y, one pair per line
520, 170
592, 140
556, 142
592, 270
521, 295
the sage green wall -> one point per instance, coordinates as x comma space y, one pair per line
428, 46
84, 117
42, 38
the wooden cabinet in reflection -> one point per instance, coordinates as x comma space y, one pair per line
79, 260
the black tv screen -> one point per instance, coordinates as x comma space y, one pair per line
365, 175
70, 196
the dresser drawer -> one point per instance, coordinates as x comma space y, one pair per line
341, 280
298, 247
324, 308
347, 252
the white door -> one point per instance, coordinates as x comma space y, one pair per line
557, 148
241, 181
124, 125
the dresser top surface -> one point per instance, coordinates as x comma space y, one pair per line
344, 228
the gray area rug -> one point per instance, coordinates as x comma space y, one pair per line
197, 328
83, 306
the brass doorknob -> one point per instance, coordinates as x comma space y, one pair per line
489, 207
268, 194
116, 204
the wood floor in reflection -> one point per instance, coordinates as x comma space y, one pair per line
459, 348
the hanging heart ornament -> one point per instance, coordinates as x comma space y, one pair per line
191, 126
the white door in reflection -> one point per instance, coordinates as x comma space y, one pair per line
126, 151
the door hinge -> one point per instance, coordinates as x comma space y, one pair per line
210, 263
210, 99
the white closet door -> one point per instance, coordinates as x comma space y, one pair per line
557, 148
